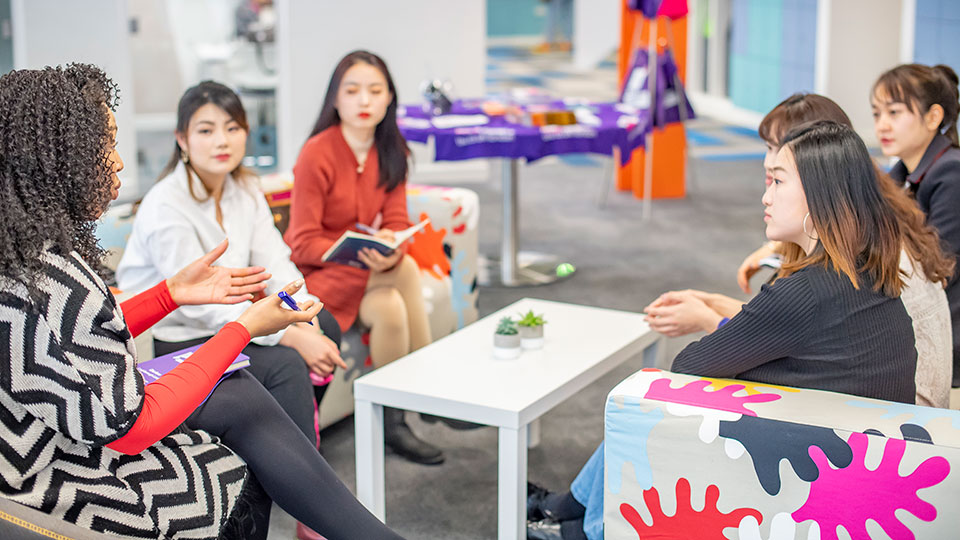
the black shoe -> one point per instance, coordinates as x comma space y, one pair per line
544, 529
461, 425
399, 438
536, 496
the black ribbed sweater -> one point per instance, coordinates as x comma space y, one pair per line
813, 329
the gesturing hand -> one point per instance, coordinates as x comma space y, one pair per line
269, 316
202, 283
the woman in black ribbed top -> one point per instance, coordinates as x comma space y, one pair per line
813, 329
834, 320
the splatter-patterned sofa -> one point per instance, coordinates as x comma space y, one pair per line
691, 457
446, 251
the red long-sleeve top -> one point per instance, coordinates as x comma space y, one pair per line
169, 400
330, 196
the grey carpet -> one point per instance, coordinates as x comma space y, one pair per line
622, 263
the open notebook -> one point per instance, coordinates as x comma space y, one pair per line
348, 246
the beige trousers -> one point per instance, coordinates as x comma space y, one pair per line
394, 310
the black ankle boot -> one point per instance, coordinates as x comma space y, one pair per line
399, 438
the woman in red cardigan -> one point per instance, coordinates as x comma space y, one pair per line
352, 171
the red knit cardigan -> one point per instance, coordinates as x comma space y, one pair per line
329, 197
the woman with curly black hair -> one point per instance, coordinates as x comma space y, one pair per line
84, 439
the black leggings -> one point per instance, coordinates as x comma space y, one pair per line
285, 463
282, 372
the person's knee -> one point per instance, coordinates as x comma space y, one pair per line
408, 269
391, 313
240, 395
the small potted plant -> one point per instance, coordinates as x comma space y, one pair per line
506, 340
531, 330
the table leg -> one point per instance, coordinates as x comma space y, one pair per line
368, 425
533, 433
512, 484
652, 355
508, 238
516, 269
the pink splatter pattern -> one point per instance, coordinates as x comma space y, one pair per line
854, 494
695, 393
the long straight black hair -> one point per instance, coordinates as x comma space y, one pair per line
392, 148
857, 227
195, 97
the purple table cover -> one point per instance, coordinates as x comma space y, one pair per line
615, 125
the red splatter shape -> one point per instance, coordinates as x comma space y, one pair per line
460, 228
427, 249
854, 494
457, 211
686, 523
695, 393
368, 362
365, 338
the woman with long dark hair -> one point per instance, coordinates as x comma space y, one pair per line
352, 171
915, 118
833, 319
924, 266
94, 446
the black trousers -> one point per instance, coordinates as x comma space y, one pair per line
284, 462
282, 372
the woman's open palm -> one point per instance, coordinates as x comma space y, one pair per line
202, 283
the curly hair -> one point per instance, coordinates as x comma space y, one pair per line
55, 169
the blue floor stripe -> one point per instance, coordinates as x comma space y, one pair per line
555, 74
579, 160
699, 138
743, 131
508, 52
747, 156
526, 80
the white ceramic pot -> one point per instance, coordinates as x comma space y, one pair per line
506, 346
531, 337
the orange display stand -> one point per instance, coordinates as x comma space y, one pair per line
670, 143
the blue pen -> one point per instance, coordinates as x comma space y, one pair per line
289, 301
366, 228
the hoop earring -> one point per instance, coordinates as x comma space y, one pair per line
184, 157
804, 226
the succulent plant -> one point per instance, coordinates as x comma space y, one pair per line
531, 319
507, 327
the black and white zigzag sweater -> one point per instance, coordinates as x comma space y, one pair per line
68, 386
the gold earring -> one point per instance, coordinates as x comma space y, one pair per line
184, 157
804, 226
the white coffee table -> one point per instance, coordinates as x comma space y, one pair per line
458, 377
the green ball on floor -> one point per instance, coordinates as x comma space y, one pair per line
565, 269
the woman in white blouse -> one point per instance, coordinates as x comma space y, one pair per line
205, 195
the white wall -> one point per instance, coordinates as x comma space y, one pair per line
52, 32
596, 31
864, 41
418, 39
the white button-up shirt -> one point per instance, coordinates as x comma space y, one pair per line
172, 229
